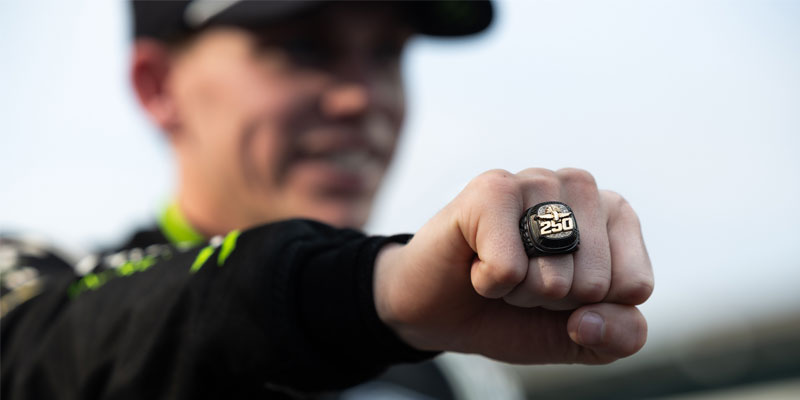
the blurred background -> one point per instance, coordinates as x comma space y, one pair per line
688, 108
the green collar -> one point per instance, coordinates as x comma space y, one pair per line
177, 229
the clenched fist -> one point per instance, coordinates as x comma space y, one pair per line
464, 282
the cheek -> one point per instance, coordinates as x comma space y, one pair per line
259, 155
385, 126
214, 121
226, 94
243, 112
273, 123
383, 133
389, 90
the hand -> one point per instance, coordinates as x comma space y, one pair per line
465, 284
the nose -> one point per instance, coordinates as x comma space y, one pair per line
345, 99
351, 91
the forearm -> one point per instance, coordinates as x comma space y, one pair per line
292, 300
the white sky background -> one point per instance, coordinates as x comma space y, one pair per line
688, 108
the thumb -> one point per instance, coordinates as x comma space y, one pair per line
607, 332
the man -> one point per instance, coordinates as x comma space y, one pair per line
286, 110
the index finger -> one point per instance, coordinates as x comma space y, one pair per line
492, 231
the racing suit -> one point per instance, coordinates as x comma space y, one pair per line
280, 310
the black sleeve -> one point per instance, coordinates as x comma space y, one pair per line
280, 309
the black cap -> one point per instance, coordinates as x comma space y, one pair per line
167, 20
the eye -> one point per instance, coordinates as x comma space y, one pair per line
301, 50
307, 51
387, 51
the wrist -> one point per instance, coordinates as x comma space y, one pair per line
389, 295
385, 263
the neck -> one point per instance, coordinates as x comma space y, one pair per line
205, 214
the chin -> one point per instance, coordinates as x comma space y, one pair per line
343, 216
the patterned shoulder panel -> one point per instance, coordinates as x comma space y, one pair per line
27, 262
24, 265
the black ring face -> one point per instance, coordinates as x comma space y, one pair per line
549, 228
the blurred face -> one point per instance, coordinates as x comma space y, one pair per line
296, 120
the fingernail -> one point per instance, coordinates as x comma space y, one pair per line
591, 328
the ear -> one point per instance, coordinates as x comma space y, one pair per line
150, 71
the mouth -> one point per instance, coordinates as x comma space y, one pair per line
344, 149
343, 160
343, 170
346, 160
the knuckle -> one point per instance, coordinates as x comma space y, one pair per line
591, 291
532, 172
631, 215
554, 288
616, 201
577, 177
497, 173
517, 299
506, 276
493, 181
544, 183
613, 197
623, 209
484, 290
636, 292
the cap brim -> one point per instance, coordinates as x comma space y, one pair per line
434, 18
